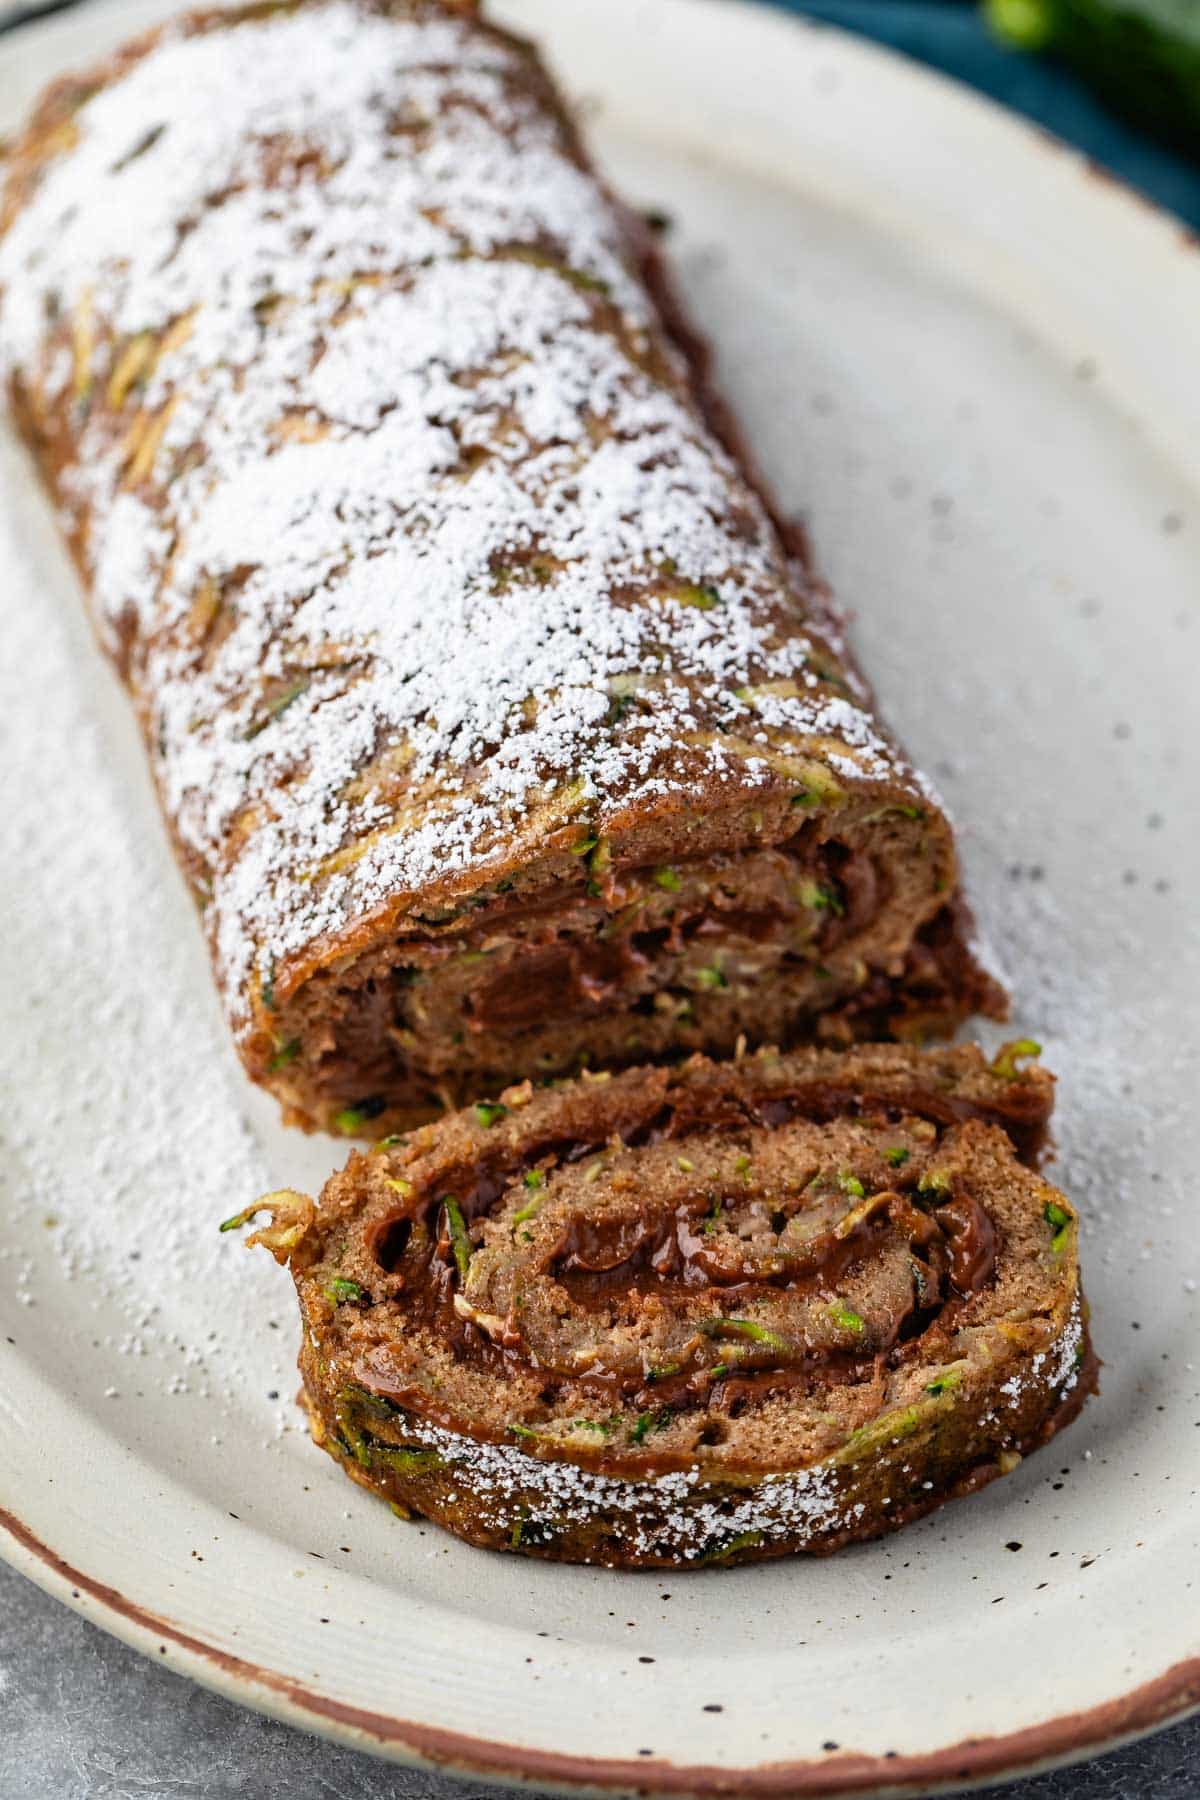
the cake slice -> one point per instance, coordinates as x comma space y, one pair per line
700, 1315
498, 724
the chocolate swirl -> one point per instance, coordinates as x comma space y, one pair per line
690, 1262
777, 1288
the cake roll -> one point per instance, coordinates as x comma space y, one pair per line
695, 1316
499, 726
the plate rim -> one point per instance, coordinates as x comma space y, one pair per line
973, 1762
1164, 1699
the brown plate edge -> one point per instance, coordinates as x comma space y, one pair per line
1071, 1736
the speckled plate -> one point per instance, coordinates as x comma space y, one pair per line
973, 364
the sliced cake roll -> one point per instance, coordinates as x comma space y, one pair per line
696, 1316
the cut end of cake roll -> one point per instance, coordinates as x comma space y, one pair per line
685, 929
697, 1316
498, 724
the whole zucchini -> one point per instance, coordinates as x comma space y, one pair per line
1141, 56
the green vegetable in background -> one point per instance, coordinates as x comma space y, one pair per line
1141, 56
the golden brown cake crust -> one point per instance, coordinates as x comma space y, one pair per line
456, 620
710, 1314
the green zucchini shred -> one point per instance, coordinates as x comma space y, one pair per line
815, 894
648, 1422
351, 1433
1005, 1062
747, 1328
742, 1540
878, 1432
701, 595
340, 1288
460, 1243
274, 709
406, 1459
239, 1219
1060, 1223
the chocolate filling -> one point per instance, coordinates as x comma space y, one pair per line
765, 1293
660, 962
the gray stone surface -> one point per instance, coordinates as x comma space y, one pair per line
84, 1718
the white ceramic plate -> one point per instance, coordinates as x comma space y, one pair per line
974, 366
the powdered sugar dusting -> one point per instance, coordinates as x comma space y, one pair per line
681, 1514
663, 1514
124, 1135
407, 495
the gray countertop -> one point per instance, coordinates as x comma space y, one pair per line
82, 1717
